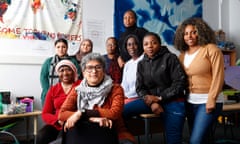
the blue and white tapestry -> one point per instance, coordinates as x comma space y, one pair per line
160, 16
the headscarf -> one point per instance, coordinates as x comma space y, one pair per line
69, 64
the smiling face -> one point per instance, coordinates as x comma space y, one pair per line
61, 49
93, 72
66, 74
190, 36
132, 47
85, 47
151, 45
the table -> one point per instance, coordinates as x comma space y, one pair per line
26, 115
231, 107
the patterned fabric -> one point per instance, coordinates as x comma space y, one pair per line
113, 69
69, 64
88, 96
159, 16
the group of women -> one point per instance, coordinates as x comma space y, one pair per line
153, 80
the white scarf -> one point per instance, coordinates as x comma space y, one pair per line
90, 96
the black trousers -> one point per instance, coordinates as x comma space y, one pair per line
47, 134
85, 132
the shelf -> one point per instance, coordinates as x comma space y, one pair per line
229, 57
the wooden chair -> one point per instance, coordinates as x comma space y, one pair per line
146, 124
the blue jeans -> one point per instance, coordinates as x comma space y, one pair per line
200, 122
174, 118
134, 108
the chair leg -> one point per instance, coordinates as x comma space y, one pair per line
139, 141
147, 130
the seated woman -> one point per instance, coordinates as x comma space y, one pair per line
56, 95
134, 105
114, 64
161, 80
92, 112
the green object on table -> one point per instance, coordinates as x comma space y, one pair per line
230, 92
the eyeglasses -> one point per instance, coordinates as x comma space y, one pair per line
90, 68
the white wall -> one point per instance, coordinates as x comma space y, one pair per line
225, 18
22, 79
234, 28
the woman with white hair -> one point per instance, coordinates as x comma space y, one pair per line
92, 111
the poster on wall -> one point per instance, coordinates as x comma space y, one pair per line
30, 27
160, 16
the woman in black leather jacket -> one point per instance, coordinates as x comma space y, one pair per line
161, 81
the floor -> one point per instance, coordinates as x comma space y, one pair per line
228, 134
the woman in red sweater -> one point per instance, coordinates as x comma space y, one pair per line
55, 97
92, 111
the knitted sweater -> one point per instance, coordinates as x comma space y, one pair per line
206, 72
54, 100
112, 109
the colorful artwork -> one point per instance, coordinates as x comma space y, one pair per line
41, 19
3, 8
160, 16
36, 4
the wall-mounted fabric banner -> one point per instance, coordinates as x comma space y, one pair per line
160, 16
41, 19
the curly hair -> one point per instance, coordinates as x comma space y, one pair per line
205, 34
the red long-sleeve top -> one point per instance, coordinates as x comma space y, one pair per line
54, 100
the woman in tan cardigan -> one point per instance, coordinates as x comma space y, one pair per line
204, 65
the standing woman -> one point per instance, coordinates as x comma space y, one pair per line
204, 65
85, 48
55, 97
130, 24
161, 81
113, 61
48, 75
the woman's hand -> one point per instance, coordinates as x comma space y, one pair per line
149, 99
210, 106
156, 108
103, 122
121, 62
71, 121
